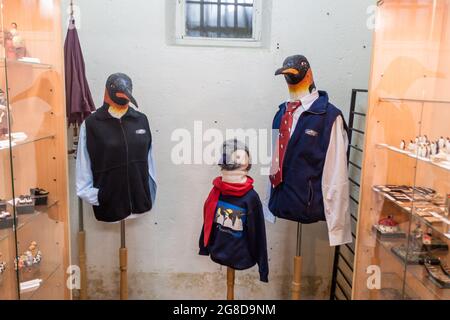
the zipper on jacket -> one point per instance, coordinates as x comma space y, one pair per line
128, 160
311, 193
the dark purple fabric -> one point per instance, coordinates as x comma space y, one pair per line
79, 103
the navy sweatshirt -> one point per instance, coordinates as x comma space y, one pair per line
238, 236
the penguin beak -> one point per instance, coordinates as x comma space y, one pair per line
287, 71
127, 95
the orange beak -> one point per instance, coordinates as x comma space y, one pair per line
285, 71
122, 95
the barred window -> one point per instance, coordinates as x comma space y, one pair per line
220, 19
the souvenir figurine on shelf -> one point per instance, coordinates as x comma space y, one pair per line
433, 149
412, 146
15, 44
30, 258
2, 205
5, 214
447, 146
438, 273
3, 115
388, 227
2, 265
441, 143
25, 205
403, 145
40, 196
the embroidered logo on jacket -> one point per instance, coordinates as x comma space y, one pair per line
311, 133
141, 131
231, 219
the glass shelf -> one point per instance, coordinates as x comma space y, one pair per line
442, 229
34, 65
391, 99
25, 219
443, 165
28, 141
47, 272
418, 272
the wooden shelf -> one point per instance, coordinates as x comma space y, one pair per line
25, 219
443, 165
442, 229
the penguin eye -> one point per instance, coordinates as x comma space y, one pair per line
304, 64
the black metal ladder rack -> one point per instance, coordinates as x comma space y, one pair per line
342, 279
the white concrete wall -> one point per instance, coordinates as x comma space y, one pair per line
234, 87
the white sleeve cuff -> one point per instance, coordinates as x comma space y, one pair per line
340, 237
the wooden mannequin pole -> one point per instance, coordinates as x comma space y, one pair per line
231, 274
123, 258
296, 283
82, 252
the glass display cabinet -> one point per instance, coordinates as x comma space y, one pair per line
403, 238
34, 250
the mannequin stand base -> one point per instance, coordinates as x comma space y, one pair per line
82, 259
123, 254
296, 283
231, 274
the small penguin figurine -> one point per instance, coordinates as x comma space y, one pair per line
433, 148
441, 144
412, 146
403, 145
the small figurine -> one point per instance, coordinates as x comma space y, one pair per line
15, 44
5, 215
2, 265
388, 225
403, 145
412, 147
441, 144
29, 258
433, 149
428, 150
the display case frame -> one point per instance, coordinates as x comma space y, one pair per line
404, 227
34, 160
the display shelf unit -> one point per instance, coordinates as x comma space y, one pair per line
408, 98
35, 155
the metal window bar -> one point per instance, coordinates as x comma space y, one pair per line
339, 258
219, 30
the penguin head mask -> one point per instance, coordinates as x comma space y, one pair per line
235, 156
119, 89
295, 69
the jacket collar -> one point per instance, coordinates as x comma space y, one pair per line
103, 113
319, 106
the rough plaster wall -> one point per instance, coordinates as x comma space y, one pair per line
176, 86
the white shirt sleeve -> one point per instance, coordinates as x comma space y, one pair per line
336, 188
84, 176
152, 173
